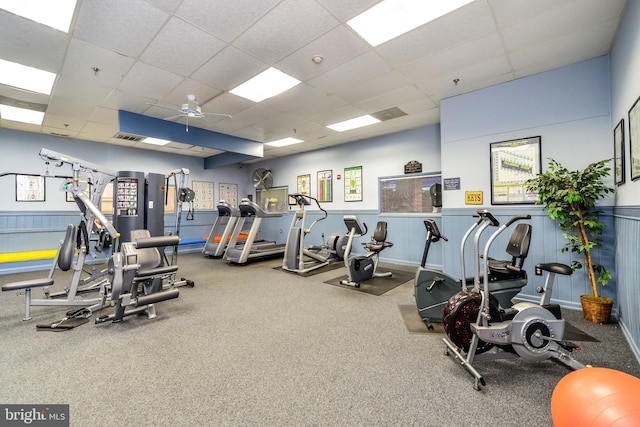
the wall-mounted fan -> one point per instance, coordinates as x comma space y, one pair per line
262, 179
190, 110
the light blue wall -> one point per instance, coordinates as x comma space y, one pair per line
573, 109
625, 89
30, 226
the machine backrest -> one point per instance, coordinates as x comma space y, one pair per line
147, 257
518, 246
67, 249
380, 233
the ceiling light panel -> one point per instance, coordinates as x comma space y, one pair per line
392, 18
155, 141
24, 77
357, 122
55, 14
284, 142
267, 84
23, 115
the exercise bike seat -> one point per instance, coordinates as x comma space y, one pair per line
518, 248
378, 241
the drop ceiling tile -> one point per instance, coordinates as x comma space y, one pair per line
229, 68
80, 91
559, 22
365, 67
336, 47
228, 104
166, 5
265, 39
100, 130
345, 10
467, 23
29, 43
83, 56
63, 123
149, 81
406, 95
224, 19
62, 133
293, 99
470, 78
379, 85
203, 94
460, 56
124, 26
181, 48
572, 48
318, 107
70, 108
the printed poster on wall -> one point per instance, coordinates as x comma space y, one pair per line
203, 199
353, 184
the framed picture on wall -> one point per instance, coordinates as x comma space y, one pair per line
512, 164
618, 153
30, 188
325, 186
634, 139
353, 184
304, 185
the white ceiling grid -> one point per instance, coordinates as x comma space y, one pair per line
128, 54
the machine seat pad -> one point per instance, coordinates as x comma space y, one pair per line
26, 284
377, 247
555, 267
157, 242
157, 271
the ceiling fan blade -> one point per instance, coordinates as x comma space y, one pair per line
217, 114
177, 116
166, 107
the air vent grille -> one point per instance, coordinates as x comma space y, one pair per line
127, 137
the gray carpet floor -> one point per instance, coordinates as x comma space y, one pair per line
253, 346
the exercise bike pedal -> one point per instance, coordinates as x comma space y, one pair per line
569, 346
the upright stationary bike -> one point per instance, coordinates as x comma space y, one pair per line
479, 329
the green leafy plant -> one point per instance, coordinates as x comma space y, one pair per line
570, 199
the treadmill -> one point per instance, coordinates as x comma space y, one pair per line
221, 231
251, 249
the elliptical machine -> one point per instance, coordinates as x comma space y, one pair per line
300, 259
432, 289
475, 323
363, 267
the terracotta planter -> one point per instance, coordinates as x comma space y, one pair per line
596, 310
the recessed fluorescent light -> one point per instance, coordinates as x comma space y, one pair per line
391, 18
24, 115
270, 82
155, 141
55, 14
24, 77
358, 122
284, 142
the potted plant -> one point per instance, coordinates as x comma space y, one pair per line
570, 199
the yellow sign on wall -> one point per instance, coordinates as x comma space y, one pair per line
473, 197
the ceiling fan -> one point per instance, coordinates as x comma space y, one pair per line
190, 110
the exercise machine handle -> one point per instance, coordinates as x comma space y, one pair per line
516, 218
488, 216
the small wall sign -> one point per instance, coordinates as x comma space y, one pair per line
473, 197
413, 166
